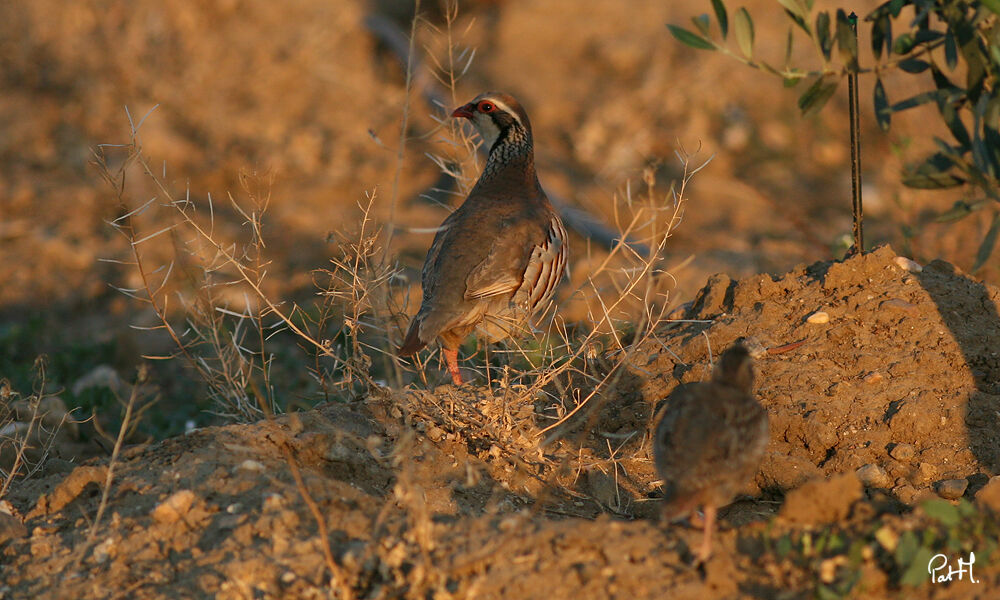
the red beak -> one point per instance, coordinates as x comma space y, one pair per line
467, 111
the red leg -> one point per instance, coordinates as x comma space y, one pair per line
451, 357
706, 543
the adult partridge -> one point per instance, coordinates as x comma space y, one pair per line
498, 257
710, 441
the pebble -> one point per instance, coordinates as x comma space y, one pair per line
908, 264
900, 304
952, 489
818, 318
903, 452
911, 496
11, 528
873, 476
873, 377
272, 502
251, 465
175, 507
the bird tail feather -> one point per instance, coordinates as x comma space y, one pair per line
412, 343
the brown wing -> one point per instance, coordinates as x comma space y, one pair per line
546, 268
500, 272
522, 264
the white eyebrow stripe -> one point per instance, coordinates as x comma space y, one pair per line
500, 105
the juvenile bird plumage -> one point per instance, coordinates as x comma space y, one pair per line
710, 441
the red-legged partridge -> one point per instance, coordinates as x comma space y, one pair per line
498, 258
710, 441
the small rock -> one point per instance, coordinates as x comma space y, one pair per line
11, 528
908, 264
903, 452
989, 495
911, 496
952, 489
711, 300
818, 318
272, 502
899, 304
252, 466
873, 476
174, 508
873, 377
435, 433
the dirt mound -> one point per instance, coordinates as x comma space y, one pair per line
448, 493
901, 373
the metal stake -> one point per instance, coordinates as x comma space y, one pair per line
852, 91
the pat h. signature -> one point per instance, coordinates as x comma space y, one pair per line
937, 564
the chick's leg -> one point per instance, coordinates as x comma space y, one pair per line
706, 543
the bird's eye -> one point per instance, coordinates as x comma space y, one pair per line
486, 107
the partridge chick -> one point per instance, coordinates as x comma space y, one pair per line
498, 258
710, 441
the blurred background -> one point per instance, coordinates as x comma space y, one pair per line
304, 96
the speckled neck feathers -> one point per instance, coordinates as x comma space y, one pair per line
511, 155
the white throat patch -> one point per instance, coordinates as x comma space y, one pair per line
487, 129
